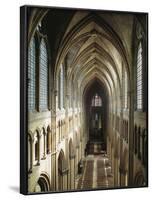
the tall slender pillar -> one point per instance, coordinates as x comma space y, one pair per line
65, 179
123, 176
44, 153
31, 155
131, 145
39, 150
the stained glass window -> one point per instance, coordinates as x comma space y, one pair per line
31, 75
139, 78
96, 101
43, 87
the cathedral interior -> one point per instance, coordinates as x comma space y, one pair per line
87, 99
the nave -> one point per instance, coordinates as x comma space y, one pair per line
97, 173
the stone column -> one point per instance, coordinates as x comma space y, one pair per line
44, 154
118, 178
53, 171
121, 146
71, 173
31, 155
76, 163
32, 160
116, 171
74, 170
65, 179
123, 174
39, 150
82, 147
112, 156
80, 150
53, 155
130, 135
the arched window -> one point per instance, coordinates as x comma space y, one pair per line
43, 73
31, 76
96, 101
139, 78
61, 87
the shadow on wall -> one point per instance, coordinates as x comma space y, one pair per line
14, 188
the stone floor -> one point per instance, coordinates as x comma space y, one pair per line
96, 173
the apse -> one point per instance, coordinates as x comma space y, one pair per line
96, 112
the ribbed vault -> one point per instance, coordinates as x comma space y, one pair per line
91, 42
93, 49
93, 46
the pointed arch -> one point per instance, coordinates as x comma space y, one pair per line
61, 169
139, 179
43, 183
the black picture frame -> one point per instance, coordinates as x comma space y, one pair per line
24, 43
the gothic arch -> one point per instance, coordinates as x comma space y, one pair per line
61, 169
100, 22
61, 161
37, 136
37, 15
43, 183
139, 179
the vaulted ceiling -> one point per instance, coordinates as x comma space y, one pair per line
94, 45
